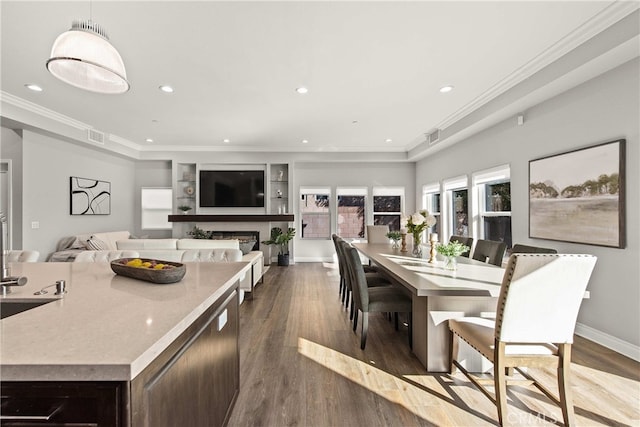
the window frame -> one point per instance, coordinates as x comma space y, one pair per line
387, 191
352, 192
315, 191
447, 205
156, 203
496, 175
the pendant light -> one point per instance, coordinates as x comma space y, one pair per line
84, 58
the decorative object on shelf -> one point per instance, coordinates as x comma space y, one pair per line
281, 239
403, 233
149, 270
84, 58
433, 239
280, 175
415, 225
184, 209
279, 194
450, 251
189, 190
89, 196
395, 237
199, 233
578, 196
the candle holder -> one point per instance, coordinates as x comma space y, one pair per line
403, 248
432, 253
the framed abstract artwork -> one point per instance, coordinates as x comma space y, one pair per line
89, 196
578, 196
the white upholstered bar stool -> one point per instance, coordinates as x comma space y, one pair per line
536, 317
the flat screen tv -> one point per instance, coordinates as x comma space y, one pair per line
232, 189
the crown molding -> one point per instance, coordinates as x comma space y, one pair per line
598, 23
42, 111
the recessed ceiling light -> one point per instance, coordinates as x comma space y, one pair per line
304, 141
149, 140
445, 89
226, 141
166, 89
302, 90
33, 87
388, 140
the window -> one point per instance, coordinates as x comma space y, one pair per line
156, 208
314, 213
351, 212
387, 207
431, 202
493, 188
457, 207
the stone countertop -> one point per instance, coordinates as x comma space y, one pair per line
107, 327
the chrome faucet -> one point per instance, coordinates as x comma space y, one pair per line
6, 280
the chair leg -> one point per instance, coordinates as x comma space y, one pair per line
352, 308
355, 321
453, 351
500, 380
565, 395
347, 298
410, 323
365, 327
341, 285
395, 319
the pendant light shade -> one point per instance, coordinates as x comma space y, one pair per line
84, 58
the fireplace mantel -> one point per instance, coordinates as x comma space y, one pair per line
231, 218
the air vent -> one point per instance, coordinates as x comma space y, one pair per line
96, 136
433, 136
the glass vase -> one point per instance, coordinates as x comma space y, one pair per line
450, 263
417, 245
395, 244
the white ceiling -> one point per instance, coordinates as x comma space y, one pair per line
373, 69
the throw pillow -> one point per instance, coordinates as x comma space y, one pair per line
96, 244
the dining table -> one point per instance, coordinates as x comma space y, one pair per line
439, 294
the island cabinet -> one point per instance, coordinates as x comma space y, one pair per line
194, 381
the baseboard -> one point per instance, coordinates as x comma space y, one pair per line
609, 341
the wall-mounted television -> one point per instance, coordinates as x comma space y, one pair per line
231, 189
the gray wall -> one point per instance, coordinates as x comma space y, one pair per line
48, 164
600, 110
11, 149
346, 175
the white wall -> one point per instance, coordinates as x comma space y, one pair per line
48, 164
321, 174
603, 109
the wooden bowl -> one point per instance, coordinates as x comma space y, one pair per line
165, 276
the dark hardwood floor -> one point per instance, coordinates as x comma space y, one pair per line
301, 365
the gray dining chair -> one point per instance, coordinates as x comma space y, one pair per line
489, 251
385, 299
467, 241
526, 249
372, 278
539, 300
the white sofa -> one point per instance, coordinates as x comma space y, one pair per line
119, 245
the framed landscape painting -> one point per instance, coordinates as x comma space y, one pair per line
89, 196
578, 196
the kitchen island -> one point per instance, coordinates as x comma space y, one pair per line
119, 351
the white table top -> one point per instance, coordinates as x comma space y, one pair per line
106, 327
472, 278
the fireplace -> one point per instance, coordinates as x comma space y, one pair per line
240, 235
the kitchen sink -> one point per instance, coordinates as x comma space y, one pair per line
11, 307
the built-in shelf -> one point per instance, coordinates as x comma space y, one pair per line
232, 218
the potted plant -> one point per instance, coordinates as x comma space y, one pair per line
450, 251
184, 208
199, 233
281, 239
